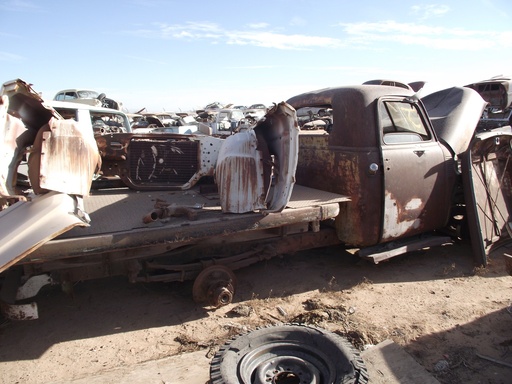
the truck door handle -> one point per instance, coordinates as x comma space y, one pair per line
419, 153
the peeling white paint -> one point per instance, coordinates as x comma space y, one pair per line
394, 228
414, 203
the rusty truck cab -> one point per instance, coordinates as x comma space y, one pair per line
382, 152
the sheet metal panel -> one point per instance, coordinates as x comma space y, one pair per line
27, 225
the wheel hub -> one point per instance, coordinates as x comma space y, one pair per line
215, 285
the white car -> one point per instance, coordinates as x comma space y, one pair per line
226, 121
85, 96
100, 120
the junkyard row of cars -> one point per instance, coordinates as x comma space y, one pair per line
215, 118
224, 119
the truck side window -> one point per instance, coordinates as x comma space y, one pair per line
401, 123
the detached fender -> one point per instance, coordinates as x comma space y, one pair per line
256, 168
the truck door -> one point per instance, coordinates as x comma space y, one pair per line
416, 171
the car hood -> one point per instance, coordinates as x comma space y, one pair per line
454, 113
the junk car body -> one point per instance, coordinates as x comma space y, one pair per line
183, 206
101, 120
497, 92
410, 167
85, 96
392, 174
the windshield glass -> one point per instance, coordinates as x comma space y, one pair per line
87, 94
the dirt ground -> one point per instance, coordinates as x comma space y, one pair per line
453, 319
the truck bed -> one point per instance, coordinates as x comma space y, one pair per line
117, 221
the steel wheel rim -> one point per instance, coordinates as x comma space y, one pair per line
285, 363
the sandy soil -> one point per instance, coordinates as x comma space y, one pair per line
451, 317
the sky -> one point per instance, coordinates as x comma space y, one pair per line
181, 55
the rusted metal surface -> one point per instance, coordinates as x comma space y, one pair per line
354, 112
61, 164
215, 285
381, 252
64, 158
113, 228
239, 174
158, 161
279, 129
21, 116
256, 168
15, 137
238, 253
397, 188
179, 257
340, 160
419, 182
120, 247
497, 92
164, 210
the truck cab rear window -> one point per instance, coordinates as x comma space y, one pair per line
401, 122
315, 119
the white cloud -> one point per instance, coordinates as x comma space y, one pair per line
253, 67
358, 35
280, 41
258, 25
297, 21
6, 56
214, 33
144, 59
371, 34
19, 6
429, 10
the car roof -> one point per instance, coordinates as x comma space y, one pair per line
71, 105
76, 90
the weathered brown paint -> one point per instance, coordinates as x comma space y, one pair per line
340, 162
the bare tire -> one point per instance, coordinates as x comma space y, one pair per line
288, 354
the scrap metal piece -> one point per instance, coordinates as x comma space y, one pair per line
158, 161
256, 168
27, 225
487, 181
20, 311
64, 158
170, 211
14, 137
32, 286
